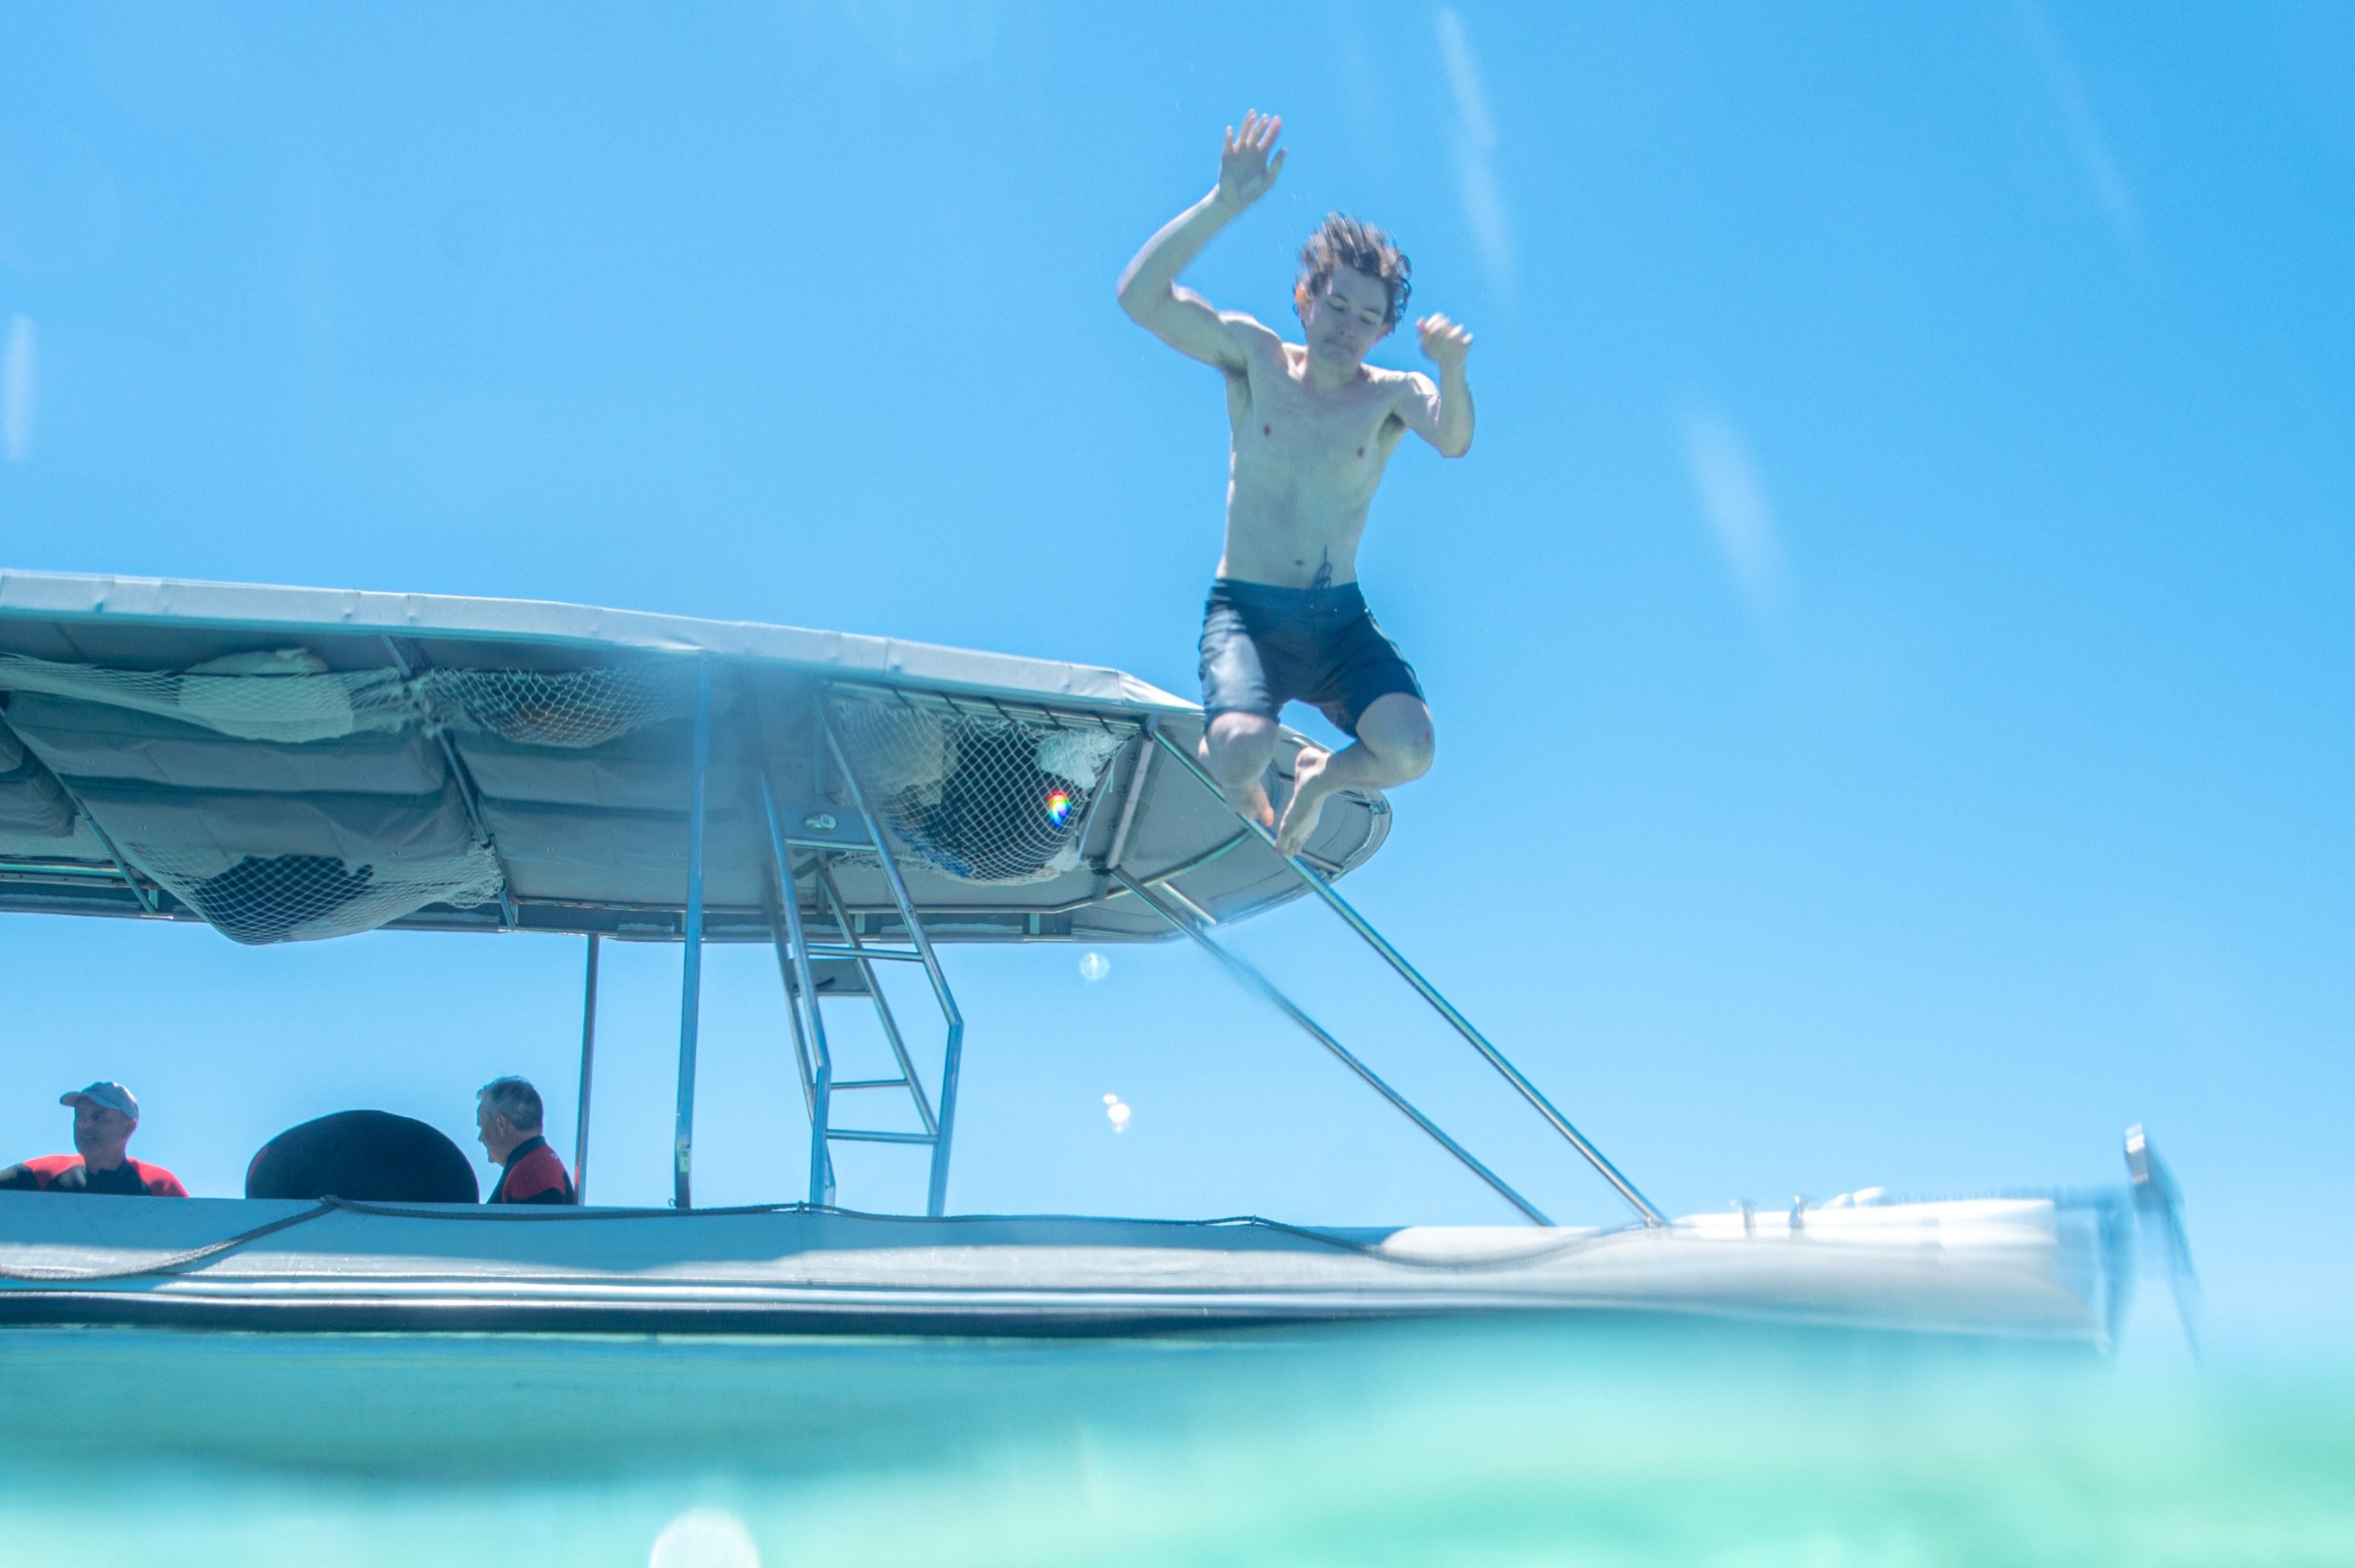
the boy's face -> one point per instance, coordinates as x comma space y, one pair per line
1345, 318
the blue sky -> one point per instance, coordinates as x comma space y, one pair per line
1890, 640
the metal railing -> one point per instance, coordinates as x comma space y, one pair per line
1446, 1010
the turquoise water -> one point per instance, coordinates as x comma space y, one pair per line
1576, 1441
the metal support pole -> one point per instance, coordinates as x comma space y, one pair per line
690, 988
1252, 979
1430, 993
821, 1100
588, 1067
953, 1054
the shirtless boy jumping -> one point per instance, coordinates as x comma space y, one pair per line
1314, 426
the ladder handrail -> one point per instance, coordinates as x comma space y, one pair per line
821, 1177
875, 993
952, 1053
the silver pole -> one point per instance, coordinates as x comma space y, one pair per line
821, 1185
587, 1066
1251, 977
690, 988
1430, 993
953, 1054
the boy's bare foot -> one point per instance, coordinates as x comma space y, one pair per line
1310, 785
1252, 801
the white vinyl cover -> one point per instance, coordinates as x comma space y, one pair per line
292, 763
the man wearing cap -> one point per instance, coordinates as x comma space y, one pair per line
105, 1115
508, 1115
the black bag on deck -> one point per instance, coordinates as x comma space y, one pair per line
370, 1156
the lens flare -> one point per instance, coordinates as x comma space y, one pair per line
1059, 804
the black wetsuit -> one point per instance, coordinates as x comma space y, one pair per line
533, 1175
67, 1173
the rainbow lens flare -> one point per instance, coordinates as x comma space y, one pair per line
1059, 802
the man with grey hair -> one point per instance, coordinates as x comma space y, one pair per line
507, 1114
105, 1115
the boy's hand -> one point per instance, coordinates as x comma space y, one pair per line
1245, 172
1445, 341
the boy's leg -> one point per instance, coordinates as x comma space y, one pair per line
1239, 738
1393, 747
1236, 748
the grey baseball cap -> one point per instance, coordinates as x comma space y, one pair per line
113, 1097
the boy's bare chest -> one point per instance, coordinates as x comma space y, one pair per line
1282, 421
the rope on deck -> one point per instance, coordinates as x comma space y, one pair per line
177, 1260
1517, 1258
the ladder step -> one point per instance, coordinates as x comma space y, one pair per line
891, 954
861, 1136
869, 1083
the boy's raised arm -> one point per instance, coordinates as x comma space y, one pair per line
1442, 415
1150, 292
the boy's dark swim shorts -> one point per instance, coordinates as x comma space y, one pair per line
1263, 646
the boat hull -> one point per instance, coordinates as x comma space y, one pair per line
2029, 1268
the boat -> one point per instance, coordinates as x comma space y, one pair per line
298, 764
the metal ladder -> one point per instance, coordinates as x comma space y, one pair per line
817, 972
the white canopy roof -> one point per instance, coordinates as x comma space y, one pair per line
292, 763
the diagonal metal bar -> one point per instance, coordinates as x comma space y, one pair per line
1254, 980
1430, 993
953, 1054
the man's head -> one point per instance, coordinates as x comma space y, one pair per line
506, 1112
105, 1115
1353, 288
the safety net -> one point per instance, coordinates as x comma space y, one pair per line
304, 802
982, 791
259, 900
284, 695
571, 708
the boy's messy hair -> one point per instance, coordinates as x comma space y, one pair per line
1343, 242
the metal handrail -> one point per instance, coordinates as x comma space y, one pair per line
1251, 977
1650, 1215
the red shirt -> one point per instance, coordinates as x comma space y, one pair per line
67, 1173
534, 1175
